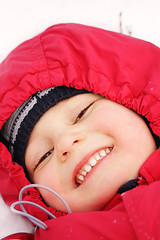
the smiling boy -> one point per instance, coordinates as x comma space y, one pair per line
72, 137
87, 139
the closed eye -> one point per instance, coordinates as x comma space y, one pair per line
80, 115
46, 155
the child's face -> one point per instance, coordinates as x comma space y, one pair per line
71, 136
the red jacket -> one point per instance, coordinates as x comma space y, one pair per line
121, 68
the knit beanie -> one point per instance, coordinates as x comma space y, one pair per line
17, 129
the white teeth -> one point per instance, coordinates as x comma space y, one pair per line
80, 177
87, 168
97, 156
91, 163
108, 150
102, 153
84, 173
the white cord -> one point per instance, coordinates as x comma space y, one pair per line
33, 219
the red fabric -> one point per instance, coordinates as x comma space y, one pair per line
19, 236
137, 217
119, 67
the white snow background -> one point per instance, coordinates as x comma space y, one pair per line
23, 19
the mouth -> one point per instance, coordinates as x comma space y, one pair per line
90, 164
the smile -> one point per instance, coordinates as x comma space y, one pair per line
87, 167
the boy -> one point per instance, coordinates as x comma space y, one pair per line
82, 145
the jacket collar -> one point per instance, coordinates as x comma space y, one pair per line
150, 169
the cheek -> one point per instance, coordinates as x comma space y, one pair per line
47, 177
103, 122
52, 200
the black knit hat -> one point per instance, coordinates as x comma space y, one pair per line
17, 129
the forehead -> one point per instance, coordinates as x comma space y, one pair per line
80, 98
73, 102
67, 107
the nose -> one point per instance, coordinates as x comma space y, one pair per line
66, 144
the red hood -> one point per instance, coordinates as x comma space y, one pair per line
119, 67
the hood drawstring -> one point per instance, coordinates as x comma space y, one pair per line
31, 218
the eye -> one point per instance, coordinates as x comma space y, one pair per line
46, 155
80, 115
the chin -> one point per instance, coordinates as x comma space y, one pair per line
88, 206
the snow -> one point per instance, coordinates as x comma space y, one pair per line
21, 19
